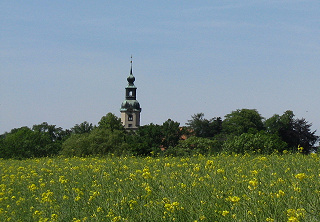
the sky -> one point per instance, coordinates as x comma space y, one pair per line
66, 62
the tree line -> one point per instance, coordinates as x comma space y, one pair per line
241, 131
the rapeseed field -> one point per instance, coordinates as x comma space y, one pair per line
199, 188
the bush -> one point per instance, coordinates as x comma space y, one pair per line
259, 142
193, 145
26, 143
98, 142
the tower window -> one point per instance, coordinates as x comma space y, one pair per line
130, 117
130, 93
129, 125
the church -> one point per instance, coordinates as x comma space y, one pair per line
130, 108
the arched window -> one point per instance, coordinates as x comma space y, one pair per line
130, 117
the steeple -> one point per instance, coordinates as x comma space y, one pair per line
130, 108
131, 78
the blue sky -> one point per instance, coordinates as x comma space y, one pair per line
65, 62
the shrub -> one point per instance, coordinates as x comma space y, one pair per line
193, 145
259, 142
98, 142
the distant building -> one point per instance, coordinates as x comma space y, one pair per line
130, 108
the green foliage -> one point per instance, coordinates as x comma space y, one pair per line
241, 131
76, 145
42, 140
151, 138
202, 127
242, 121
193, 145
254, 143
110, 121
171, 132
108, 137
55, 134
23, 143
98, 142
295, 132
146, 139
81, 128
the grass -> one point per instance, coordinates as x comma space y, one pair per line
215, 188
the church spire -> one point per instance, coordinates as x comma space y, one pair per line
131, 78
130, 108
131, 66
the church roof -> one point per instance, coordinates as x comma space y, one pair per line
132, 105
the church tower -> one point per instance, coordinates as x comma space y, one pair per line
130, 108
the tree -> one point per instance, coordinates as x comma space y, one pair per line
25, 143
295, 132
171, 133
242, 121
55, 133
260, 142
203, 127
81, 128
108, 137
110, 121
194, 145
99, 141
146, 139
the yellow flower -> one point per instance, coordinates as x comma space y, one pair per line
253, 182
300, 176
233, 199
146, 174
47, 196
209, 162
225, 212
220, 170
294, 215
300, 148
293, 219
32, 187
62, 179
148, 189
280, 193
115, 219
54, 217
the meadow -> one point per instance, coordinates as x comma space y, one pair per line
198, 188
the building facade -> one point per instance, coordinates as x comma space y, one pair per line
130, 108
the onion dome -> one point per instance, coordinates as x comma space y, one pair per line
131, 78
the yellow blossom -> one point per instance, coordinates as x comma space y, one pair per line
225, 212
233, 199
300, 176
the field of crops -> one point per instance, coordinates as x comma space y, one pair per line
216, 188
